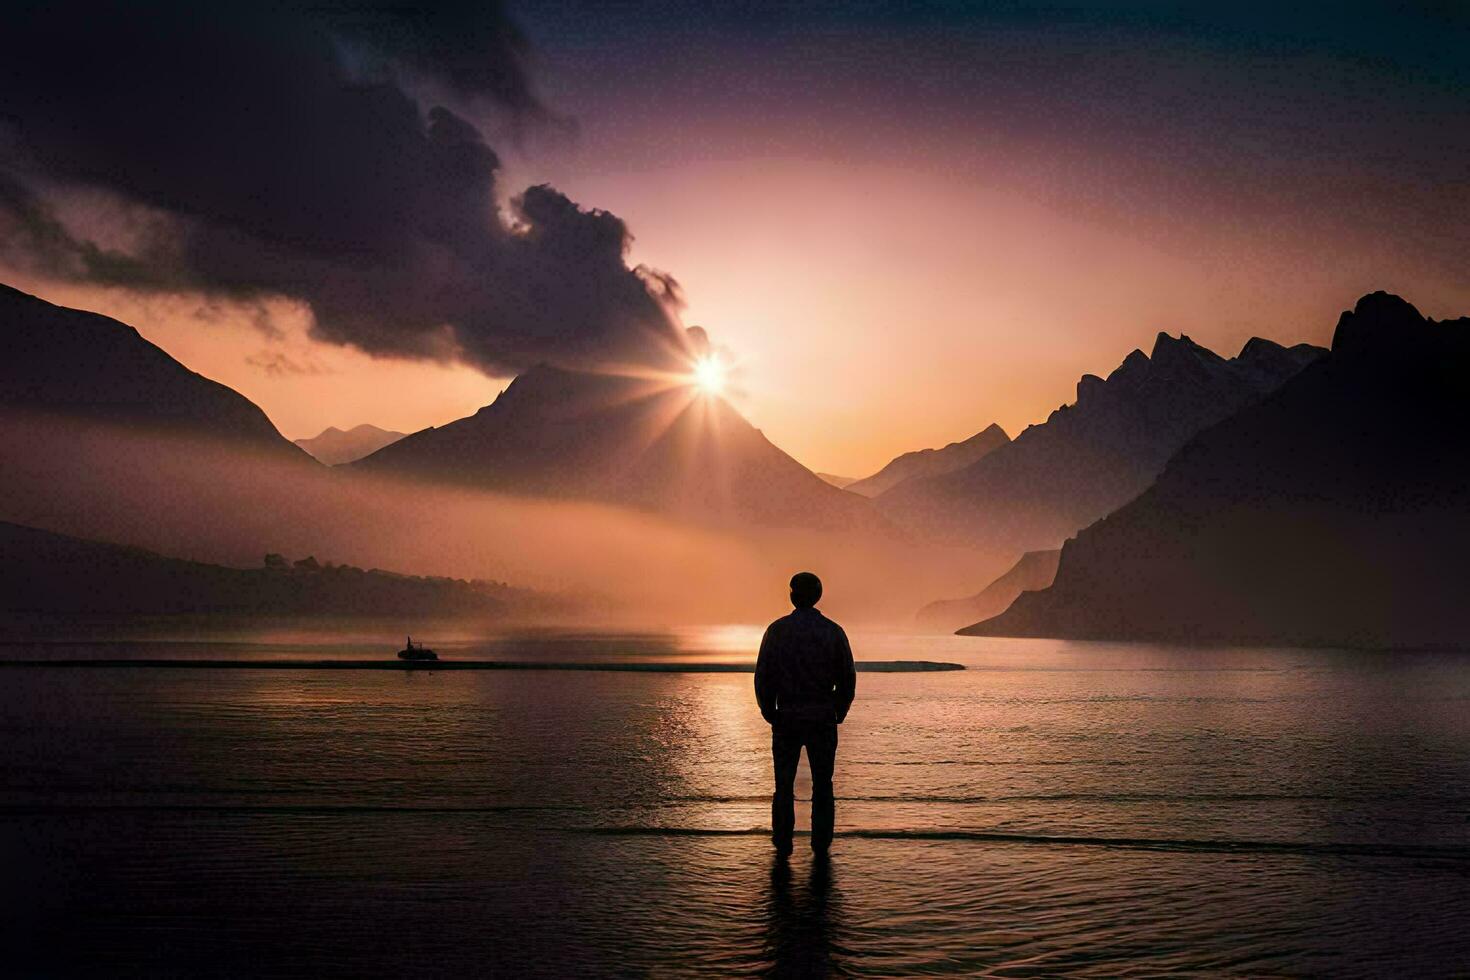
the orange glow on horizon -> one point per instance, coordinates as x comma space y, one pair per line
875, 309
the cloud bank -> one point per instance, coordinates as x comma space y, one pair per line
304, 152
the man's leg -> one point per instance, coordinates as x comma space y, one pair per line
785, 753
821, 755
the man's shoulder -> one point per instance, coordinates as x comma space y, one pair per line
829, 624
778, 625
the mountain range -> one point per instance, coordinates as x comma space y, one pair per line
642, 441
1091, 457
1286, 495
932, 462
1334, 512
78, 365
333, 446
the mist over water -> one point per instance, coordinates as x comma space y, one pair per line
205, 501
1053, 808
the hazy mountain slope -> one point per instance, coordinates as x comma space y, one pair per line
1089, 458
647, 443
334, 446
66, 362
932, 462
840, 482
44, 572
1034, 571
1336, 512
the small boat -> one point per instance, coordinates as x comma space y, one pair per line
420, 652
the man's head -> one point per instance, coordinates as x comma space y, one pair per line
806, 590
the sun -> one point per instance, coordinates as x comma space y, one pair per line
709, 375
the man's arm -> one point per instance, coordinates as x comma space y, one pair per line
846, 684
764, 696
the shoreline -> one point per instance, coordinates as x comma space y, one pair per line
863, 666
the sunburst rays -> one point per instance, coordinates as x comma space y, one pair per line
678, 425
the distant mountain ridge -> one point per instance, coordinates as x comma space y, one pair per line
334, 447
932, 462
1090, 457
628, 440
1036, 570
1335, 512
81, 365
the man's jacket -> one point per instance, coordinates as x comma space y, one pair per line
804, 672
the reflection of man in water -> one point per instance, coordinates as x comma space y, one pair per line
804, 683
804, 926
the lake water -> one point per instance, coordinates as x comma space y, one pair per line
1054, 808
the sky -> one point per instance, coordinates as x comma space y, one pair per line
900, 222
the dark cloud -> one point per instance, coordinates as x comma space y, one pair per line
295, 152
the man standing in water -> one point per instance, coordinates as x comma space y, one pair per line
804, 683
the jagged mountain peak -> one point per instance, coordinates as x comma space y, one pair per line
1183, 354
1165, 343
1172, 359
1135, 365
1091, 456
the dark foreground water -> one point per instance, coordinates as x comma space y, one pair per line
1054, 809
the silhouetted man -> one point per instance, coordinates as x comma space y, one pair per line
804, 683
